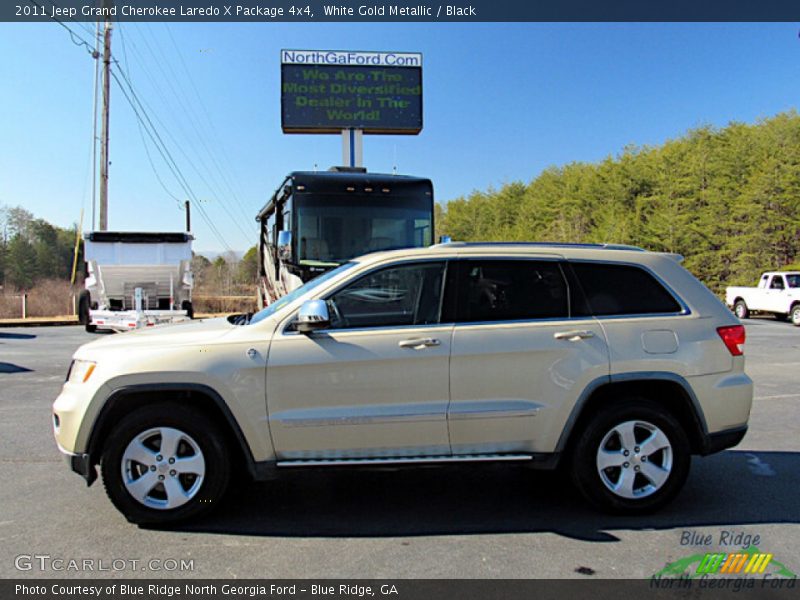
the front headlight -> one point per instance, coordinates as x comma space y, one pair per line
80, 371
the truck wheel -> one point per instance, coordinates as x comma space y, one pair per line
187, 306
633, 457
740, 309
796, 315
165, 463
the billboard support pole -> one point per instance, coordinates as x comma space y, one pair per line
353, 147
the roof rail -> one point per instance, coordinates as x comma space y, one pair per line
548, 244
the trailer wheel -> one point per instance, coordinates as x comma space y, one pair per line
84, 300
187, 306
84, 304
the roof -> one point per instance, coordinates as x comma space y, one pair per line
614, 252
336, 179
139, 237
603, 246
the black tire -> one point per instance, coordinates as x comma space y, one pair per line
586, 472
84, 302
795, 315
740, 309
200, 430
187, 306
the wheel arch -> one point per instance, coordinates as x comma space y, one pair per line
193, 395
670, 391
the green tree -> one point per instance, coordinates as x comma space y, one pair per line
247, 269
21, 257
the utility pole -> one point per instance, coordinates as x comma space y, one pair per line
96, 57
103, 225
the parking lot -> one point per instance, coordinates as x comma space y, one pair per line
487, 521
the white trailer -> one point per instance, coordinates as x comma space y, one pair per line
136, 279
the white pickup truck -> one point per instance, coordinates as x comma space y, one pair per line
778, 293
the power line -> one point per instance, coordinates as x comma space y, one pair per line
210, 121
186, 109
167, 156
76, 39
184, 182
144, 121
141, 134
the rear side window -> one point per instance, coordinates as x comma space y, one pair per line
510, 290
623, 290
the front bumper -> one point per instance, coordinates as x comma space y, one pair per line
81, 464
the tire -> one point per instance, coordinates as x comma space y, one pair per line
636, 483
84, 302
740, 309
795, 314
187, 306
191, 489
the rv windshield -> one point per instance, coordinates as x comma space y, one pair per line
333, 228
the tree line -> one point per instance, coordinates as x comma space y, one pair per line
727, 199
32, 249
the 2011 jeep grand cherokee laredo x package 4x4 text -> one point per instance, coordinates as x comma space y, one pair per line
613, 363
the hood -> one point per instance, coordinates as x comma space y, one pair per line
176, 334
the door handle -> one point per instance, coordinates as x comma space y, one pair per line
573, 336
419, 343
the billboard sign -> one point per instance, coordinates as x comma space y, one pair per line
328, 91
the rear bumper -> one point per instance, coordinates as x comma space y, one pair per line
721, 440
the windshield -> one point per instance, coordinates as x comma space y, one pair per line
332, 228
270, 310
793, 280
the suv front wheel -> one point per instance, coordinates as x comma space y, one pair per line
633, 457
165, 463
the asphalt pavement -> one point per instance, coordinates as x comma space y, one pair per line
465, 522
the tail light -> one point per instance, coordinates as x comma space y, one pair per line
733, 337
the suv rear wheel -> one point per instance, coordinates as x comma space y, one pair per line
633, 457
165, 463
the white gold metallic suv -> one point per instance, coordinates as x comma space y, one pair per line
613, 363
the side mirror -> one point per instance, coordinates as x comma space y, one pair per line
313, 315
285, 245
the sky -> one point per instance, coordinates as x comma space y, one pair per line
501, 103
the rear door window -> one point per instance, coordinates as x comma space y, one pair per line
616, 289
510, 290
